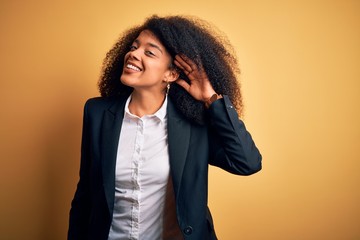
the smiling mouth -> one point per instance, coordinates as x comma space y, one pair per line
133, 67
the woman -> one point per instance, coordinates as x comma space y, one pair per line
169, 107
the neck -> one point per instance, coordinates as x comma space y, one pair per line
145, 103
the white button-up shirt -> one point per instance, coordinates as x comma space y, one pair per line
142, 173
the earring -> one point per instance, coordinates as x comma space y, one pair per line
167, 88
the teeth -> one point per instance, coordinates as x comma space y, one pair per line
133, 67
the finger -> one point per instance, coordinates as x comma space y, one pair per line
189, 61
187, 72
185, 65
182, 64
184, 84
178, 64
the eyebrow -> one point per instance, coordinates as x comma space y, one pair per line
150, 44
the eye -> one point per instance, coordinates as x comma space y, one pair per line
150, 53
132, 48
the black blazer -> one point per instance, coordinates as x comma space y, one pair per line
224, 142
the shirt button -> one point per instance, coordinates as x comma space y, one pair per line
188, 230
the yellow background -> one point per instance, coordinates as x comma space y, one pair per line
300, 63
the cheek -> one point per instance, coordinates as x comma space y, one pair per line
126, 57
163, 65
162, 68
155, 67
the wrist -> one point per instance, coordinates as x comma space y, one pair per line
210, 100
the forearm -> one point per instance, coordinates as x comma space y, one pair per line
231, 144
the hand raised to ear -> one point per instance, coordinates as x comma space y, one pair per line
199, 87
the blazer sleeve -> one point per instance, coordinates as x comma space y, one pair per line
231, 145
80, 205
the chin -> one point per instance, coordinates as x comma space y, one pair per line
125, 81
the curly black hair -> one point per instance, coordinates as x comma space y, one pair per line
196, 39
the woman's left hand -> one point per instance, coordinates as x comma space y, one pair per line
199, 87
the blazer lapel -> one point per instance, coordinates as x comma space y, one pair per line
109, 144
178, 140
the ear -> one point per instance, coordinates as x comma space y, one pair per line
171, 75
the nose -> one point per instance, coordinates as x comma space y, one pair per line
134, 54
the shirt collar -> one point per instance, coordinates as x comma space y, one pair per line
160, 114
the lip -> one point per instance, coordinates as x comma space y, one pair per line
127, 67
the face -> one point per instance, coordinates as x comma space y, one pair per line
146, 65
